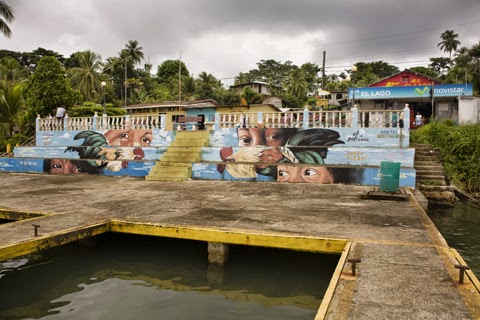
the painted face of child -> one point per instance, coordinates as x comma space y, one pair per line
62, 166
129, 138
309, 174
263, 137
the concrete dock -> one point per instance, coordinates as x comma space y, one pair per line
406, 270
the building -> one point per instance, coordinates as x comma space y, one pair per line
422, 93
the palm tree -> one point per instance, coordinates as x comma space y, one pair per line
7, 12
188, 86
449, 42
11, 70
11, 103
297, 85
474, 54
134, 51
461, 57
86, 78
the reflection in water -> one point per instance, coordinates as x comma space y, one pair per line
460, 226
131, 277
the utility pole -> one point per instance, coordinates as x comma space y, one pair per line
180, 80
126, 80
323, 70
433, 103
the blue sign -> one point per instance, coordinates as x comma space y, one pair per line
441, 90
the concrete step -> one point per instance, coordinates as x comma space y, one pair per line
431, 182
429, 188
189, 143
165, 179
175, 171
174, 164
426, 158
155, 173
423, 173
183, 149
428, 166
180, 158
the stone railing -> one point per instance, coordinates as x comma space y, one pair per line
316, 119
100, 123
295, 119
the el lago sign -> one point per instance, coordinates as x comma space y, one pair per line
441, 90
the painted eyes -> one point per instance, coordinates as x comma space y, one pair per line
146, 140
246, 140
124, 136
283, 173
273, 137
310, 172
56, 166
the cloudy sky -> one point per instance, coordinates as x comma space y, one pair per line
225, 37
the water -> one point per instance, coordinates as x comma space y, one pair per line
460, 226
132, 277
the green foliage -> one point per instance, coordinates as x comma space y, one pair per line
13, 141
89, 108
380, 69
459, 148
228, 98
168, 70
86, 77
251, 96
11, 104
47, 89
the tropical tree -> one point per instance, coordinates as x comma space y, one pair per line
47, 89
250, 95
11, 71
7, 12
461, 57
188, 86
474, 55
440, 65
449, 42
86, 77
297, 84
11, 104
134, 51
474, 65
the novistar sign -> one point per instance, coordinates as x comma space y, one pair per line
441, 90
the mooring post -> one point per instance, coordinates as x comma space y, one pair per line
35, 229
218, 253
354, 262
462, 269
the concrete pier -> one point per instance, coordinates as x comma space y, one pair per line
407, 271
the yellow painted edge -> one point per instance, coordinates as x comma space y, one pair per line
327, 298
19, 215
333, 246
469, 273
53, 240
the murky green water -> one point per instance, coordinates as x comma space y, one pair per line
129, 277
460, 226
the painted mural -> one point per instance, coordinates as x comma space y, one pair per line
118, 137
288, 149
99, 153
351, 137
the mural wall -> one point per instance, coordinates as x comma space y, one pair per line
113, 152
293, 155
340, 155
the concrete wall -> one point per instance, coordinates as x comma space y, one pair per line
317, 155
468, 110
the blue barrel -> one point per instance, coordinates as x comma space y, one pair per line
389, 176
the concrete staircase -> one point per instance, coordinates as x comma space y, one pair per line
176, 162
431, 177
